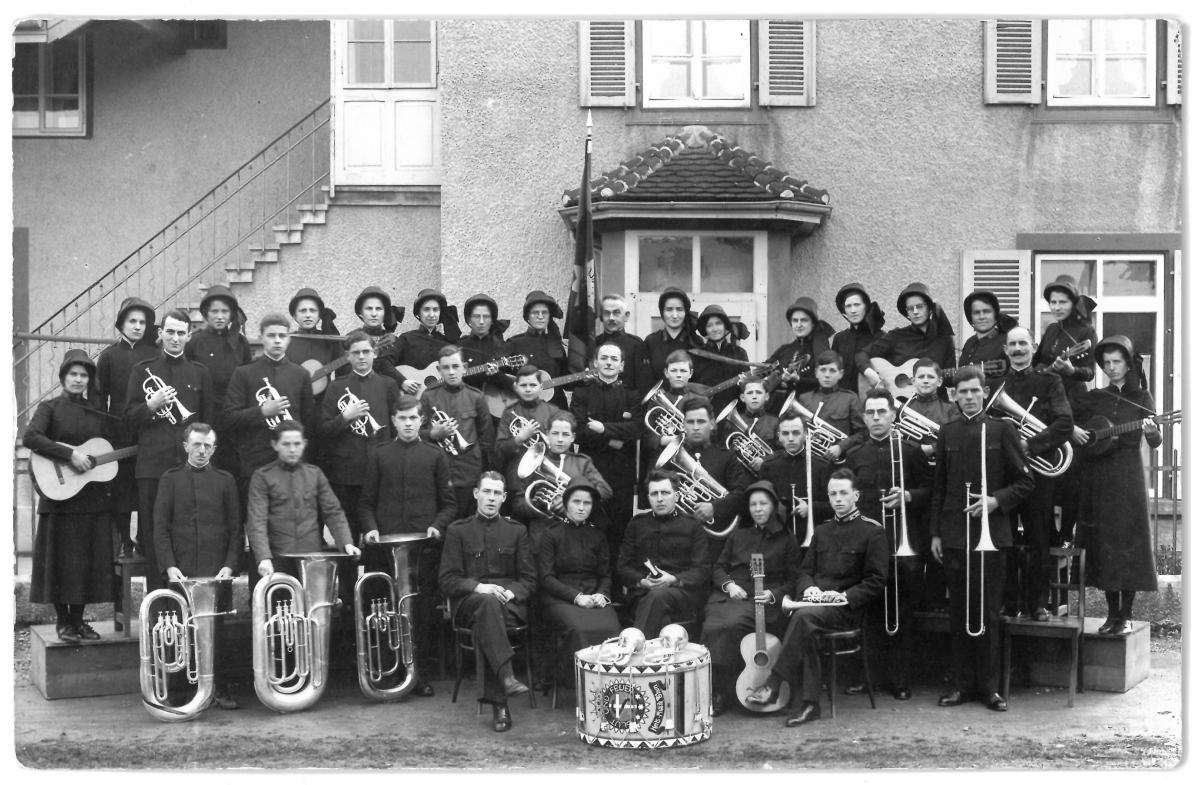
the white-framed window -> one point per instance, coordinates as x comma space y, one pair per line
1101, 62
50, 88
390, 53
696, 62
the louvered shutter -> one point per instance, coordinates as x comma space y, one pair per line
1007, 274
785, 63
1174, 62
1012, 68
606, 64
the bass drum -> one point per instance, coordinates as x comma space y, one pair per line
643, 706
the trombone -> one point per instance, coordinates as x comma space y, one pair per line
808, 476
896, 521
985, 537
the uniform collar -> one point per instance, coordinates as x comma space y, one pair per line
853, 516
288, 467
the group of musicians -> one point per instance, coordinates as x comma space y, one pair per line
819, 486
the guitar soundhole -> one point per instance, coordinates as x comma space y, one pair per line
760, 659
902, 380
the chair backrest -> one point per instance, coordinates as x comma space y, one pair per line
1070, 564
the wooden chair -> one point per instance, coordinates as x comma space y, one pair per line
1068, 577
844, 643
465, 642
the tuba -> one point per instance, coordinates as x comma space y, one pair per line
384, 626
1029, 426
552, 481
696, 485
824, 435
180, 640
742, 441
359, 426
268, 393
895, 520
455, 444
155, 383
664, 418
290, 632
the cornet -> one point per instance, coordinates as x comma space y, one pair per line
268, 393
985, 538
745, 444
1029, 426
696, 485
895, 520
542, 493
824, 435
151, 386
384, 626
664, 418
359, 426
455, 444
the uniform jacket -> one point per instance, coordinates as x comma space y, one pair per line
406, 488
419, 347
197, 521
784, 470
477, 351
781, 560
387, 357
282, 511
574, 560
902, 344
618, 408
1056, 339
496, 551
507, 449
725, 468
574, 465
795, 350
1051, 406
469, 407
71, 420
712, 372
841, 409
160, 444
871, 463
220, 353
114, 366
990, 348
637, 373
848, 555
933, 407
659, 345
543, 350
848, 344
345, 452
243, 413
765, 426
676, 545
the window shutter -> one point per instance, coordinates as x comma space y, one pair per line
785, 63
1007, 274
606, 64
1012, 68
1174, 62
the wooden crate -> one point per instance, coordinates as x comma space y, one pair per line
108, 666
1110, 663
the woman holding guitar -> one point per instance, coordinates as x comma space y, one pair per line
73, 548
811, 337
1114, 521
745, 603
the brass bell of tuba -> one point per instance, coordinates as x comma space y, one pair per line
552, 481
179, 640
383, 626
742, 441
824, 435
696, 485
1029, 426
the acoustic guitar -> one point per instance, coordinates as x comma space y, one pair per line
898, 379
429, 378
762, 373
760, 650
320, 373
60, 480
505, 398
1102, 433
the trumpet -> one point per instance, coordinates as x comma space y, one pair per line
181, 639
268, 393
696, 485
664, 418
455, 444
359, 426
518, 423
384, 626
745, 444
151, 386
543, 493
1029, 426
895, 520
985, 537
824, 435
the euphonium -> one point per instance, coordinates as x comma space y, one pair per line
155, 383
895, 520
915, 426
290, 633
1029, 426
359, 426
268, 393
696, 485
824, 435
455, 444
518, 423
180, 640
985, 538
383, 626
664, 418
552, 481
744, 443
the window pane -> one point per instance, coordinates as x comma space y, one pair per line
726, 264
25, 112
665, 261
25, 70
63, 113
1130, 278
1125, 76
410, 30
1072, 76
667, 79
366, 30
666, 37
366, 64
1125, 35
1082, 270
723, 80
63, 66
411, 62
727, 37
1071, 35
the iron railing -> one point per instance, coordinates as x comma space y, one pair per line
216, 233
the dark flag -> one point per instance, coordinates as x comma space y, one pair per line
581, 316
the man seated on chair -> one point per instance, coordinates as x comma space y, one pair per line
488, 574
847, 562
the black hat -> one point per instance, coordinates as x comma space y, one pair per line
132, 303
916, 288
763, 485
981, 294
1120, 342
372, 291
77, 357
479, 299
1065, 284
851, 288
306, 294
538, 296
674, 291
426, 294
806, 304
218, 291
580, 483
735, 329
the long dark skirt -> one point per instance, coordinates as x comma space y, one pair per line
72, 558
1114, 523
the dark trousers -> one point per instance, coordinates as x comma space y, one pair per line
147, 491
1036, 516
1067, 488
582, 627
347, 496
490, 618
899, 650
976, 659
621, 472
799, 661
660, 607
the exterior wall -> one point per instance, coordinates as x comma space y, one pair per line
166, 129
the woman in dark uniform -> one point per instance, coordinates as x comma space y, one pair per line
575, 575
73, 548
1114, 520
720, 335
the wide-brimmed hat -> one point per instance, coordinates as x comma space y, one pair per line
538, 296
1121, 342
479, 299
580, 483
372, 291
734, 329
77, 357
918, 288
306, 293
839, 299
806, 304
134, 303
427, 294
215, 292
1065, 284
766, 486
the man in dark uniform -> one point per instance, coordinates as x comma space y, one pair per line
417, 349
721, 464
787, 470
187, 384
198, 533
986, 346
849, 558
221, 347
456, 408
637, 373
407, 489
664, 564
542, 342
927, 334
1041, 394
976, 659
676, 334
488, 574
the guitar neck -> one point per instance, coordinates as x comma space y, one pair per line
330, 367
760, 618
116, 455
1133, 425
571, 377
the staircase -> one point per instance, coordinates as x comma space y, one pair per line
222, 238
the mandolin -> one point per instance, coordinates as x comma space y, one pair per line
760, 650
1102, 433
60, 480
319, 372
